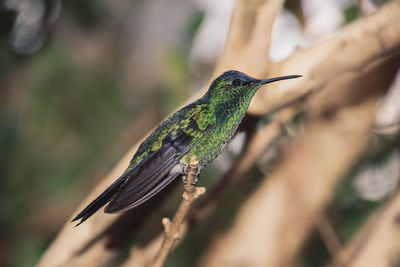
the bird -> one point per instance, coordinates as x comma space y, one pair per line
202, 128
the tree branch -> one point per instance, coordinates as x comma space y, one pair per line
377, 243
349, 51
173, 230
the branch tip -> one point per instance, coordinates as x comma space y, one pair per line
175, 230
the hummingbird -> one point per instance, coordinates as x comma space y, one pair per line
202, 128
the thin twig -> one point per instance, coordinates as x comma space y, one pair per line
173, 230
330, 238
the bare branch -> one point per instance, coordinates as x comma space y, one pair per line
349, 51
173, 229
377, 243
247, 47
330, 238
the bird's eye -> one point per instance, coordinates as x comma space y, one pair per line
237, 82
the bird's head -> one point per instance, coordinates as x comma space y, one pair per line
235, 84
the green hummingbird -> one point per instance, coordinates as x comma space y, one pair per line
202, 128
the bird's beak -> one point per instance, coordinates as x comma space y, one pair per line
278, 79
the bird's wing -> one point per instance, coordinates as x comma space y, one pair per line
154, 172
149, 170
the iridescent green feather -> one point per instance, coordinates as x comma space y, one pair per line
192, 120
202, 128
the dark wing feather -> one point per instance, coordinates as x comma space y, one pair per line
153, 175
145, 178
139, 184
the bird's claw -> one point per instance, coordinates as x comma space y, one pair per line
186, 173
186, 170
185, 180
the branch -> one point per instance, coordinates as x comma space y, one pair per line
348, 52
173, 230
249, 37
330, 239
377, 243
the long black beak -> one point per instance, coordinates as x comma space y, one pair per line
279, 79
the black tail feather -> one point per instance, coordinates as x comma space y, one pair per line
101, 200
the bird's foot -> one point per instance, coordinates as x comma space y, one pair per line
185, 180
186, 173
186, 170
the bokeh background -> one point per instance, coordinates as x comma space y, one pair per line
81, 81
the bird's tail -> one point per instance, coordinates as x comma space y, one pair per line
101, 200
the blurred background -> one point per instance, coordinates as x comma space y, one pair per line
81, 81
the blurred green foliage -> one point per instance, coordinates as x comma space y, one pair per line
351, 13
